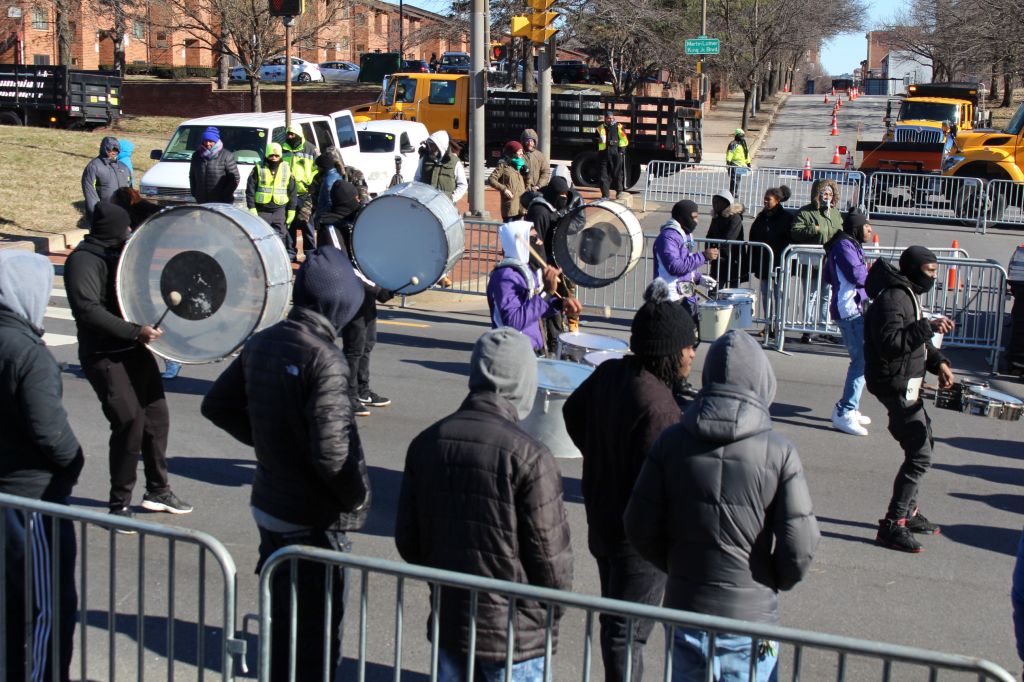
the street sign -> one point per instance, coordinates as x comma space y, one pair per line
702, 45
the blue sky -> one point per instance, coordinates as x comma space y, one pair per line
844, 53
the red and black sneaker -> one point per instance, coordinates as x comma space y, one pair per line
895, 535
917, 523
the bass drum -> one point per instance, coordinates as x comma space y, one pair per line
229, 267
410, 230
596, 244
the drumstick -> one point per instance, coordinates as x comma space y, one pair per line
175, 298
413, 281
606, 310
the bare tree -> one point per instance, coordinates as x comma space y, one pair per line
119, 12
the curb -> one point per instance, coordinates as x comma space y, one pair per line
46, 244
763, 133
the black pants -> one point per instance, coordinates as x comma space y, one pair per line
613, 169
358, 338
48, 618
910, 425
734, 179
276, 217
301, 223
628, 576
132, 395
311, 601
1015, 347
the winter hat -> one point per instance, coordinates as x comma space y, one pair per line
211, 134
110, 224
530, 134
735, 359
329, 160
344, 197
727, 195
558, 185
661, 327
295, 129
738, 132
511, 148
327, 284
853, 224
26, 279
911, 261
274, 148
503, 362
683, 212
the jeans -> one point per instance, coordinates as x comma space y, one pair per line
358, 338
451, 667
911, 426
852, 329
731, 660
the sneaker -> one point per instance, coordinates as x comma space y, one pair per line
918, 523
360, 410
374, 399
124, 513
171, 370
165, 502
848, 423
895, 535
805, 338
863, 420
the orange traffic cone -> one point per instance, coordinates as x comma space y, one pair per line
807, 168
874, 241
837, 158
835, 131
826, 98
951, 273
833, 92
839, 102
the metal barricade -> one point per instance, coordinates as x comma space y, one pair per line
670, 181
482, 252
752, 186
814, 655
159, 620
923, 195
1004, 204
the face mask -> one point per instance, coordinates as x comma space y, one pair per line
518, 162
272, 164
921, 283
561, 202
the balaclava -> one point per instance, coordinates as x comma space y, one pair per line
911, 261
683, 212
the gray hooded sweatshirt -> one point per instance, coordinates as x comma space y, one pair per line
104, 176
721, 504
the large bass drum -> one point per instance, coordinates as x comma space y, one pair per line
597, 243
410, 230
229, 267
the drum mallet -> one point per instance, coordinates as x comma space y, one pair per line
413, 281
175, 300
606, 310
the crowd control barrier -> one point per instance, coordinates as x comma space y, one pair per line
1004, 204
388, 592
191, 566
923, 195
482, 252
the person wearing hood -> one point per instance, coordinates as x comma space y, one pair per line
614, 417
846, 271
270, 192
538, 167
40, 458
676, 262
104, 175
286, 396
331, 167
213, 173
119, 366
772, 227
737, 155
441, 168
519, 297
816, 223
125, 157
481, 496
300, 156
897, 351
611, 152
507, 178
722, 506
359, 336
727, 224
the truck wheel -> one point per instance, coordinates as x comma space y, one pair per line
633, 172
968, 207
586, 170
9, 118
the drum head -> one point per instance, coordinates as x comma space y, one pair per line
593, 341
560, 376
992, 394
411, 230
229, 268
598, 243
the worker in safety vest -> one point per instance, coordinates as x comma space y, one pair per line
737, 155
301, 159
611, 148
271, 193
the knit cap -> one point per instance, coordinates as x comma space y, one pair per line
661, 327
274, 148
211, 134
511, 147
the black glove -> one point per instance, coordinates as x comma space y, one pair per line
384, 295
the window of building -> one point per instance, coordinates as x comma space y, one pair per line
360, 48
344, 43
345, 12
41, 59
39, 19
161, 39
138, 30
378, 23
361, 19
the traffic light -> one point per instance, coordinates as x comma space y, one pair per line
537, 25
499, 51
287, 8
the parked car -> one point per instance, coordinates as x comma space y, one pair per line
273, 70
415, 66
570, 72
454, 62
339, 72
380, 142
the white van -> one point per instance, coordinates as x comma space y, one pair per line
380, 142
247, 135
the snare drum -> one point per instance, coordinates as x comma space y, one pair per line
716, 318
595, 358
952, 398
745, 301
597, 243
572, 346
556, 380
410, 230
988, 402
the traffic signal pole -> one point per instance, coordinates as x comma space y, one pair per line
478, 54
545, 58
288, 23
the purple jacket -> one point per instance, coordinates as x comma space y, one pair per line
673, 261
846, 272
511, 305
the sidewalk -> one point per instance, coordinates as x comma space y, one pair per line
727, 116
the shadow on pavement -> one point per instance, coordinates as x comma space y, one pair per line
233, 473
154, 638
459, 368
423, 342
386, 485
999, 540
572, 490
1003, 501
377, 672
987, 446
1008, 475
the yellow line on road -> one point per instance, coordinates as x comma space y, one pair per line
396, 323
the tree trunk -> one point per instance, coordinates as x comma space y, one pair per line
63, 33
747, 93
1007, 87
529, 84
993, 93
254, 91
222, 67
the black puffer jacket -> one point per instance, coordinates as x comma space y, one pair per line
90, 283
213, 179
721, 504
286, 395
897, 339
730, 268
771, 228
481, 496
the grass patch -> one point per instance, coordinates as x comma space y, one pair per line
1002, 115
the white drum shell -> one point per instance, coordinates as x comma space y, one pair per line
745, 301
556, 380
572, 346
411, 230
716, 318
254, 261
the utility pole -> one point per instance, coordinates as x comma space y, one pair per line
288, 23
705, 90
545, 58
401, 29
477, 55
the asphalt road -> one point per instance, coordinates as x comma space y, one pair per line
954, 597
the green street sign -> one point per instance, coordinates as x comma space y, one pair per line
703, 45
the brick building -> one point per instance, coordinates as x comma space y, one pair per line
880, 43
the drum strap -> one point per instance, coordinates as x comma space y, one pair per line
518, 266
676, 285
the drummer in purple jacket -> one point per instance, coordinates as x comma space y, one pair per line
516, 297
674, 261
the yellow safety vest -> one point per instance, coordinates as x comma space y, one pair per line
303, 165
273, 188
603, 137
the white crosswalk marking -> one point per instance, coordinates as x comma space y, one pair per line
60, 293
54, 340
59, 322
58, 313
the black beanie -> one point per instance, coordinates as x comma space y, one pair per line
110, 224
327, 284
853, 224
661, 327
683, 212
559, 184
344, 197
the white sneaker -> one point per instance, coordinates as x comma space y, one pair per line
862, 419
848, 423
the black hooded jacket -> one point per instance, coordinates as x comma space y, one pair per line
89, 277
897, 338
771, 228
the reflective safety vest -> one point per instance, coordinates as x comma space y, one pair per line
303, 165
602, 137
272, 188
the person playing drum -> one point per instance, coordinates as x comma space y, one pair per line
518, 297
675, 262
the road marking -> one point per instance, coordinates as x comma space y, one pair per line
396, 323
59, 313
59, 339
58, 292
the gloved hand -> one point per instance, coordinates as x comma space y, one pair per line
709, 281
384, 295
254, 211
289, 217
